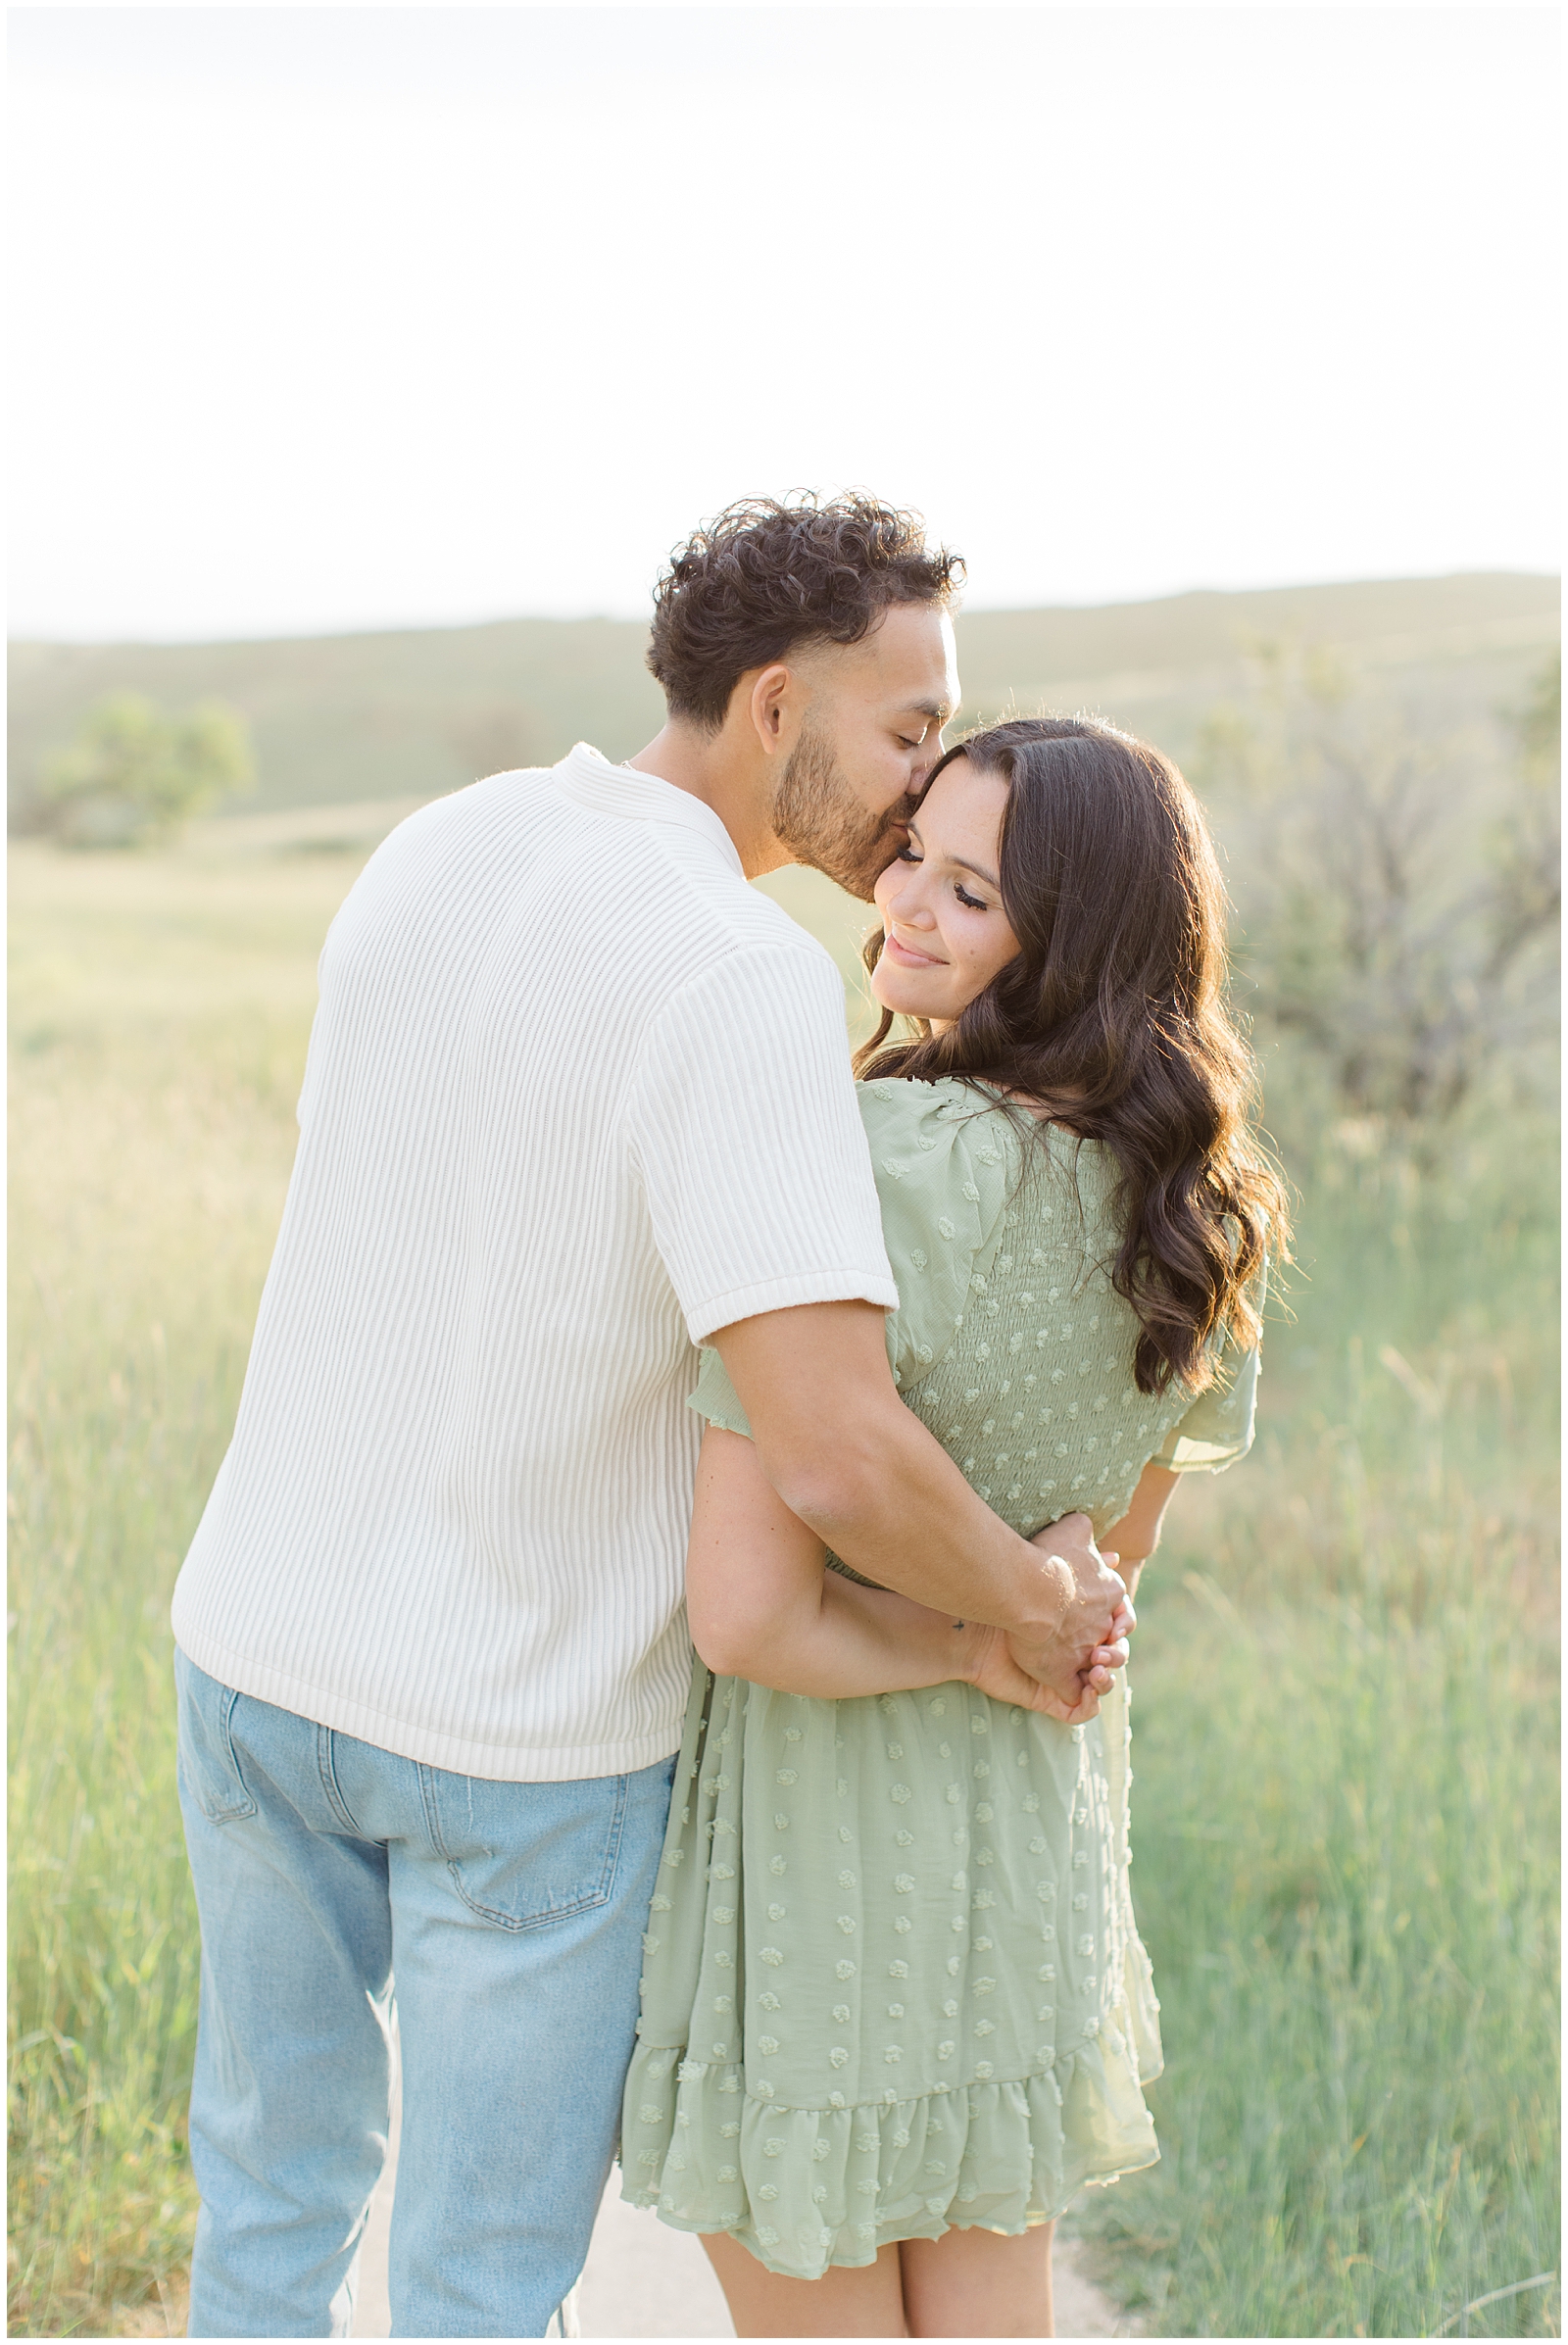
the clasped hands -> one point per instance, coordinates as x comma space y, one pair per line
1062, 1671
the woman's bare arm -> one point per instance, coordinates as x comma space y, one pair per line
855, 1463
1135, 1536
763, 1605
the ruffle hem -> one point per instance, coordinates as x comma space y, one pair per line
807, 2188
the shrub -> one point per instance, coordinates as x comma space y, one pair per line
134, 774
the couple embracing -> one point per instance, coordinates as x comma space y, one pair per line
611, 1315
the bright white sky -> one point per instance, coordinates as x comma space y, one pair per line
358, 317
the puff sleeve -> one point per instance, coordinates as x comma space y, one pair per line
1218, 1428
945, 1164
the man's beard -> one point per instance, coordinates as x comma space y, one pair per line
818, 815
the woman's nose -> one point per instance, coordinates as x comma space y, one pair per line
908, 896
907, 908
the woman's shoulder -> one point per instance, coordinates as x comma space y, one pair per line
906, 1120
941, 1154
945, 1161
953, 1133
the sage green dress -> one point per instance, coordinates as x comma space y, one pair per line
893, 1981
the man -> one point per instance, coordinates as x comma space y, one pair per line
577, 1100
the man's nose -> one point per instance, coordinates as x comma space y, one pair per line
926, 760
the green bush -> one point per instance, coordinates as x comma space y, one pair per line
133, 776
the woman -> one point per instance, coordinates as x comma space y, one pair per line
896, 2012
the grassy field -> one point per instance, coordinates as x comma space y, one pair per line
1345, 1831
1345, 1816
160, 1018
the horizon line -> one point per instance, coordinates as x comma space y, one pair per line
337, 632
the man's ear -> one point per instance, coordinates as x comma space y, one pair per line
774, 709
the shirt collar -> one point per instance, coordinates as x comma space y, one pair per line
587, 775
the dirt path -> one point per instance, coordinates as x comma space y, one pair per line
642, 2279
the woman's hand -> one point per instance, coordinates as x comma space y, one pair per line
994, 1670
1111, 1654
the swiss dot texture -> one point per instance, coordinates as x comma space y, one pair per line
936, 1839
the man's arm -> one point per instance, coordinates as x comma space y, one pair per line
847, 1457
761, 1605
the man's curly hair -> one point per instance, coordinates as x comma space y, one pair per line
766, 576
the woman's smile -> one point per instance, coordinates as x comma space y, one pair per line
911, 956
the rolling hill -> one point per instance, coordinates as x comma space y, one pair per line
405, 716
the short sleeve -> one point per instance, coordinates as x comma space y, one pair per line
944, 1166
1218, 1428
742, 1127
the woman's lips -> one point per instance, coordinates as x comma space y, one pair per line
910, 959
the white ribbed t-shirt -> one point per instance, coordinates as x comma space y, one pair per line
576, 1096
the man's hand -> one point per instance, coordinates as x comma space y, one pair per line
1074, 1663
997, 1671
858, 1467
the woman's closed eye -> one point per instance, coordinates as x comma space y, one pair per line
909, 852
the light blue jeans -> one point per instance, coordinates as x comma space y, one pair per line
512, 1915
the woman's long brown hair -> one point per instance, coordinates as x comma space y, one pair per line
1113, 1017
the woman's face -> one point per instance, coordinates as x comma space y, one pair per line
941, 905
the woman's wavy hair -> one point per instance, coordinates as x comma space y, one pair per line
1113, 1015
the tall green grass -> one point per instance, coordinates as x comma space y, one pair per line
1346, 1808
160, 1012
1343, 1818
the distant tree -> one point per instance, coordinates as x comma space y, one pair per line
1401, 887
135, 774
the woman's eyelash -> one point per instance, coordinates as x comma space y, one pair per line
971, 904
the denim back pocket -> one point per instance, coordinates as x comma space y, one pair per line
525, 1855
208, 1766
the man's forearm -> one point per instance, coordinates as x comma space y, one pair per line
898, 1511
759, 1605
851, 1461
848, 1457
